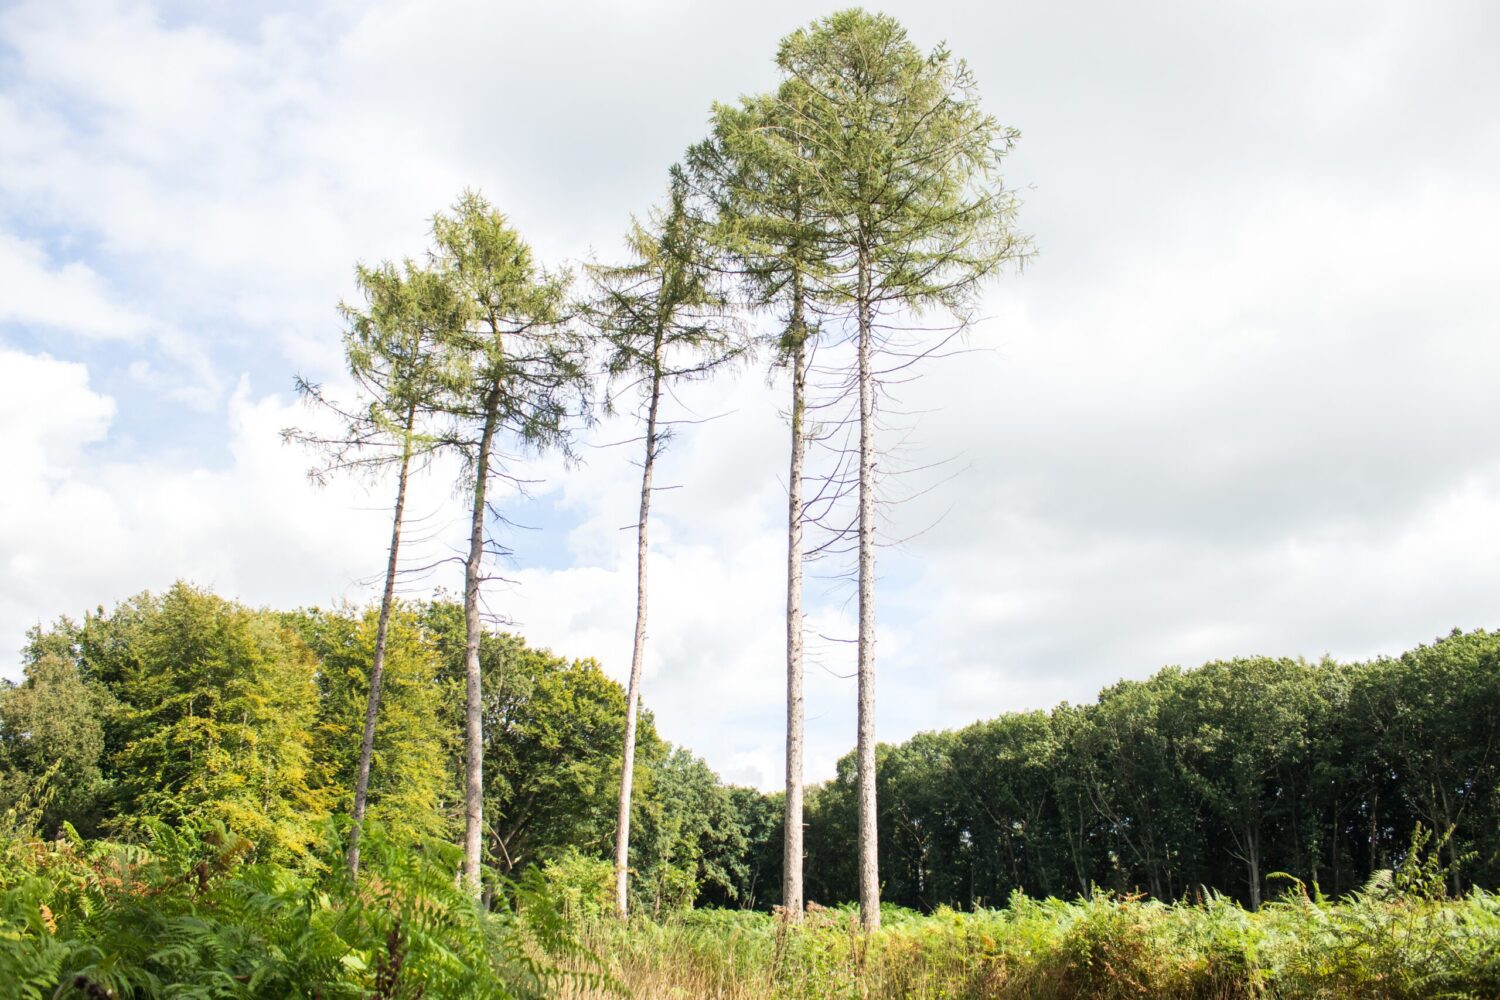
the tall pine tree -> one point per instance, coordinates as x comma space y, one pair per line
523, 382
663, 320
899, 166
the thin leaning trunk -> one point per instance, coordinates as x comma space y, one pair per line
377, 662
791, 883
474, 693
633, 692
869, 864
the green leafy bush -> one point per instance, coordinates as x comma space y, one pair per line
584, 885
191, 912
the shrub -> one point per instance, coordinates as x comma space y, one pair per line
192, 912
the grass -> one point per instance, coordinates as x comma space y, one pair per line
1375, 946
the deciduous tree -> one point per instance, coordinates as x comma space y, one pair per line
52, 735
411, 789
216, 705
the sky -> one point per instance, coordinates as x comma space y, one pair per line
1241, 402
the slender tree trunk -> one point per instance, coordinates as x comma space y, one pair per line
633, 692
1450, 823
1333, 856
869, 853
377, 662
1252, 865
474, 704
1080, 864
791, 861
1153, 880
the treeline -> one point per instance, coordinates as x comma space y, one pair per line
1225, 777
185, 706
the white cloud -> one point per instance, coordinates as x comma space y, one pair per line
78, 529
1243, 401
50, 416
69, 297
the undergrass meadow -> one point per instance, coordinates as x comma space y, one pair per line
1377, 945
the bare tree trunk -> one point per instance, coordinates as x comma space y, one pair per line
1075, 842
1450, 824
377, 662
633, 692
791, 861
1252, 866
1333, 855
474, 705
869, 855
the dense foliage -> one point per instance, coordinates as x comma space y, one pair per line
185, 707
194, 911
1226, 777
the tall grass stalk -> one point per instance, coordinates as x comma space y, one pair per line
1375, 945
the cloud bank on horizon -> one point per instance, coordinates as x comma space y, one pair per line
1243, 401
